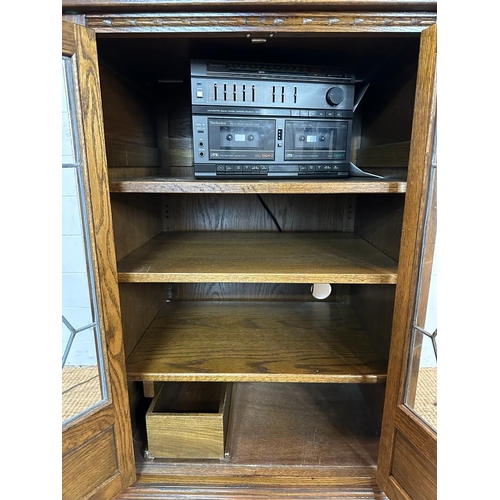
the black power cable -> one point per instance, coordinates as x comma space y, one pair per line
270, 213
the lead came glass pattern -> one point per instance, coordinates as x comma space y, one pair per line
83, 387
421, 384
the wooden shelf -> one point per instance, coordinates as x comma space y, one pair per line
311, 431
258, 257
256, 342
309, 186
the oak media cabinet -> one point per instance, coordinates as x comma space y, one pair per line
197, 284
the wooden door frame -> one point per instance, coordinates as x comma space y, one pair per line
398, 418
108, 424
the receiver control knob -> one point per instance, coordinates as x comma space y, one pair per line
335, 96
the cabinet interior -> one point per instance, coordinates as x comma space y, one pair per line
213, 289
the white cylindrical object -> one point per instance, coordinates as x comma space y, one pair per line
321, 290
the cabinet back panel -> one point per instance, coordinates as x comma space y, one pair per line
252, 291
213, 212
132, 172
165, 57
180, 130
159, 65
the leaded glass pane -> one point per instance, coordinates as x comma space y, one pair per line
421, 384
82, 385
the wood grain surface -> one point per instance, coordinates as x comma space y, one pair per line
188, 420
419, 170
236, 212
290, 435
141, 491
97, 459
313, 186
256, 5
256, 342
203, 22
264, 257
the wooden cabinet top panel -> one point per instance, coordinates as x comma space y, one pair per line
253, 5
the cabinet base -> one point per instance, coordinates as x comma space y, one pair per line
142, 491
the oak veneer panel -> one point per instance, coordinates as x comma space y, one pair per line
375, 306
379, 220
127, 116
298, 292
131, 172
140, 491
387, 155
236, 212
97, 456
135, 221
201, 22
127, 154
249, 186
264, 257
256, 342
387, 107
415, 473
305, 425
289, 434
139, 305
160, 5
188, 420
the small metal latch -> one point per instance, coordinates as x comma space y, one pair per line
260, 39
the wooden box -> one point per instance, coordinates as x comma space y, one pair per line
189, 420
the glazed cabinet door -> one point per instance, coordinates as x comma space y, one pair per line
97, 453
407, 467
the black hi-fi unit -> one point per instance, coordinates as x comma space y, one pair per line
270, 121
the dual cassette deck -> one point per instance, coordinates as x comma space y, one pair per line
270, 121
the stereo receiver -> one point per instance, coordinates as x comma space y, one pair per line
270, 120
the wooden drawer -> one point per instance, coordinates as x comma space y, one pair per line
189, 420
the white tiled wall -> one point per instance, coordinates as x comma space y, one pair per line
76, 304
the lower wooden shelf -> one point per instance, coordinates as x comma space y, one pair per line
256, 342
288, 434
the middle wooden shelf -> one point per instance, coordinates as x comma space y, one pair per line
257, 341
258, 257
